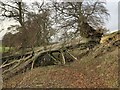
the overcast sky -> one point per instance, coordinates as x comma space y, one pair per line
112, 24
112, 6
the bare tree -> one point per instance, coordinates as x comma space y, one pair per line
15, 10
77, 15
32, 22
36, 25
42, 23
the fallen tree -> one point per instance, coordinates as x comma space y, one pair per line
18, 63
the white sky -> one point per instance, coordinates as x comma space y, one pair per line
112, 6
112, 24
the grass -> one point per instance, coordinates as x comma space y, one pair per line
4, 49
0, 49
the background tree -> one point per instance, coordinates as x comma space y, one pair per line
40, 24
36, 27
16, 10
74, 15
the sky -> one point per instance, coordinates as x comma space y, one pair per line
112, 24
112, 6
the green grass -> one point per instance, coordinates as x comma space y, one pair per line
4, 49
0, 49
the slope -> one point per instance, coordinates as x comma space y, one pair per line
97, 67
